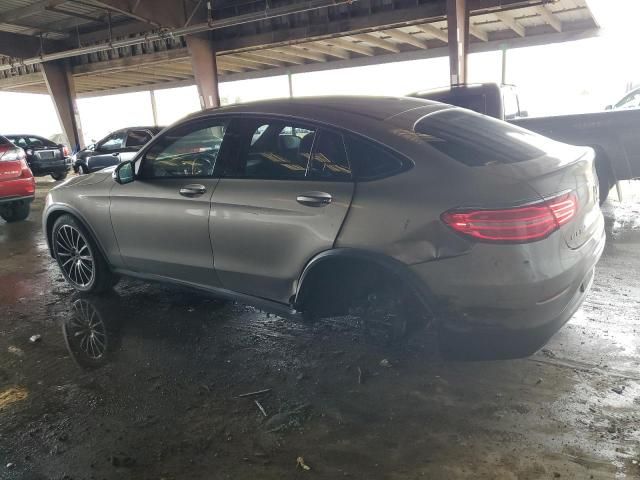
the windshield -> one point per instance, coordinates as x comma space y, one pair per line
26, 141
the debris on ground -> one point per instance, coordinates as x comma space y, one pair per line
35, 338
359, 376
12, 465
252, 394
15, 350
260, 407
548, 353
385, 363
300, 464
283, 421
619, 389
539, 381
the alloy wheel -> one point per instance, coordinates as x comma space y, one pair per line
74, 256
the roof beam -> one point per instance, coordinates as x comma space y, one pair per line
17, 13
376, 42
478, 33
260, 60
403, 37
17, 45
350, 46
510, 22
278, 56
302, 53
434, 32
548, 16
327, 50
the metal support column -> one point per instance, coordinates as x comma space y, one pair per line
61, 87
458, 31
290, 79
203, 63
154, 107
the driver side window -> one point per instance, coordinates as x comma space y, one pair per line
187, 151
112, 143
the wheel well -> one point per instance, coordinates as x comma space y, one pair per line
51, 219
329, 286
603, 164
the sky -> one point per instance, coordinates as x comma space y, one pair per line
572, 77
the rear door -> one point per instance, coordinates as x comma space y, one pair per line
283, 197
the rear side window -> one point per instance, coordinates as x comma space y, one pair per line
329, 159
370, 161
477, 140
137, 138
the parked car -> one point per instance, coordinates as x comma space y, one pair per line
612, 134
119, 146
390, 208
44, 156
630, 100
17, 185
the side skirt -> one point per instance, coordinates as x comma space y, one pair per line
270, 306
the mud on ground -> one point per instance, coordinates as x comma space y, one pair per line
159, 397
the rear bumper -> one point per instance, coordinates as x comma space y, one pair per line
41, 170
502, 302
27, 198
17, 189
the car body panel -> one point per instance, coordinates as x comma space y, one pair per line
16, 180
179, 248
262, 237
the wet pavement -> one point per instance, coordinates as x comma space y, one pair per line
147, 383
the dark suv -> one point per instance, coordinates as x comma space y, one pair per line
44, 156
118, 146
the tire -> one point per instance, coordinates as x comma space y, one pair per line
15, 212
79, 257
604, 186
82, 170
59, 176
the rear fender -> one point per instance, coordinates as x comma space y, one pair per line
340, 256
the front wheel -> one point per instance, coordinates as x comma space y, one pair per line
78, 256
59, 176
15, 212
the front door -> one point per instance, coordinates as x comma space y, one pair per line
107, 152
282, 199
161, 220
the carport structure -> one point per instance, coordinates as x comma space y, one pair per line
73, 48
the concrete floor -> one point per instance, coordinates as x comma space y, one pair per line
163, 400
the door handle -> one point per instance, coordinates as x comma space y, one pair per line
314, 199
192, 190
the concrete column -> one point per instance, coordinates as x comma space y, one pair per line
458, 31
504, 65
203, 63
290, 80
61, 87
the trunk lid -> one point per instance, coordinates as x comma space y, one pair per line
574, 173
553, 169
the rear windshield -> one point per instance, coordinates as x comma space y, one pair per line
31, 141
478, 140
4, 141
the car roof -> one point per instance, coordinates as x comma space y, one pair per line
8, 135
345, 111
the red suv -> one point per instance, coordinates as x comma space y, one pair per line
17, 185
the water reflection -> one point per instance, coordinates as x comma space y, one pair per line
89, 335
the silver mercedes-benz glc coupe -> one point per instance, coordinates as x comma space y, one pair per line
332, 205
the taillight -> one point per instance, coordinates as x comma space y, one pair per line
11, 153
526, 223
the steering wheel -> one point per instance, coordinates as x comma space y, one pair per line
203, 164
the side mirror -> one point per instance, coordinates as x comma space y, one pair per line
609, 107
124, 173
